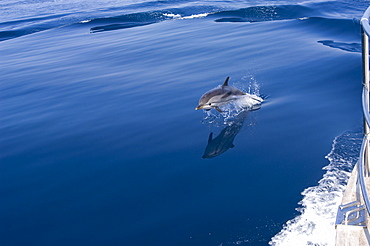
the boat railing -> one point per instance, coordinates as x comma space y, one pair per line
356, 212
363, 164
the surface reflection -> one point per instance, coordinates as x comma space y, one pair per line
224, 141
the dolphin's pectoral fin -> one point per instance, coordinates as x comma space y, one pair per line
210, 137
226, 95
218, 109
226, 82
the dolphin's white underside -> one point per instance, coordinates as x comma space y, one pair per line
247, 101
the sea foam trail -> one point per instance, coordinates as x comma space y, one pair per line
316, 223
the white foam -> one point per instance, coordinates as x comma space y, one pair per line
315, 225
195, 16
175, 16
178, 16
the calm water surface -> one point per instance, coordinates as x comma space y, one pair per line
101, 144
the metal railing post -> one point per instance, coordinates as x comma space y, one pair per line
365, 72
365, 83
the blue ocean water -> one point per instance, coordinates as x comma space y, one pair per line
101, 144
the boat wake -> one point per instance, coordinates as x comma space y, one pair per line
316, 223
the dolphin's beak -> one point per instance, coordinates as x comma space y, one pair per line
199, 107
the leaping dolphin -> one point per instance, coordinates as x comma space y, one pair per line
225, 94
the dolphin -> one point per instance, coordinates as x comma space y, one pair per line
222, 95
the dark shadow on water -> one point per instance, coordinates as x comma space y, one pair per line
263, 13
350, 47
125, 21
118, 26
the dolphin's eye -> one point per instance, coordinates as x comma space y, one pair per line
209, 104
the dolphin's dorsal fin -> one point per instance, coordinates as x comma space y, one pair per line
210, 137
226, 81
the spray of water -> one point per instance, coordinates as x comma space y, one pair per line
231, 110
315, 224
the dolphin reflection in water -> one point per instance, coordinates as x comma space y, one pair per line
224, 141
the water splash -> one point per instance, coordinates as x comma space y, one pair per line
315, 225
253, 85
233, 109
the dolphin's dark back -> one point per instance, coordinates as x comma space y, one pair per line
209, 94
220, 90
